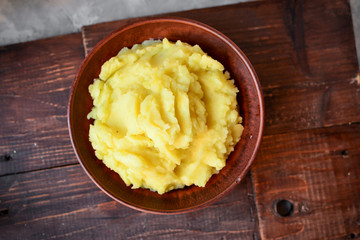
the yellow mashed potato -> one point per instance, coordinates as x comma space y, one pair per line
165, 115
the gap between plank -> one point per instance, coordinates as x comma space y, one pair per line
40, 169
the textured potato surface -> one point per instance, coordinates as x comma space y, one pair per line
165, 115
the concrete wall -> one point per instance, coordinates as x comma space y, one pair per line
22, 20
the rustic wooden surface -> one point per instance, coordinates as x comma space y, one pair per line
307, 82
34, 88
318, 171
62, 203
304, 54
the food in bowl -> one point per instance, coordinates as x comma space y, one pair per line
165, 115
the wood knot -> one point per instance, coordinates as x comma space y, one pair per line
4, 212
283, 208
6, 157
345, 153
353, 236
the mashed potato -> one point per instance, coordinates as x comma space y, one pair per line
165, 115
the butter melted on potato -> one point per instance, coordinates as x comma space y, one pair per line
165, 115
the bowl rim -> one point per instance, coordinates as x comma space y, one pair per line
239, 53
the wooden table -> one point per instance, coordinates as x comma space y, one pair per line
304, 184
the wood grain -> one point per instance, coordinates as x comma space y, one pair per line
302, 51
62, 203
318, 171
305, 57
304, 54
34, 88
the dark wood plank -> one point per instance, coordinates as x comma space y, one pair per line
305, 57
62, 203
318, 171
34, 88
303, 52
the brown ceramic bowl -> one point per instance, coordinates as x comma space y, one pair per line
250, 101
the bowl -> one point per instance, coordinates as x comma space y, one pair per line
249, 98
